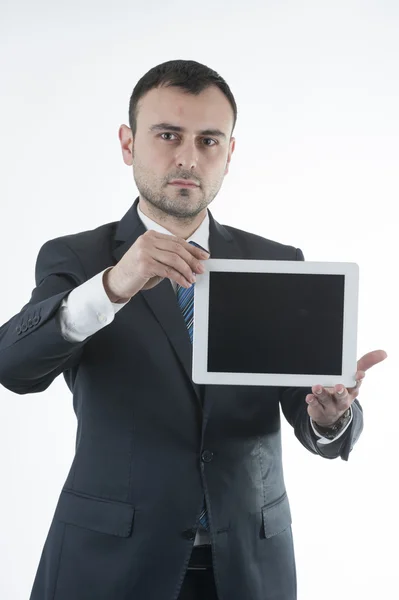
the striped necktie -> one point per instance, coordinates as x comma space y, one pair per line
185, 299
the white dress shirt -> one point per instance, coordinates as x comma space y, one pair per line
87, 308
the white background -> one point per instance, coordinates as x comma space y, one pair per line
315, 166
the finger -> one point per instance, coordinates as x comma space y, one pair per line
370, 359
354, 391
315, 410
199, 253
166, 264
322, 394
168, 237
342, 397
312, 400
176, 261
189, 253
192, 254
170, 265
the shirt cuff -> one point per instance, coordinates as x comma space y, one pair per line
322, 440
87, 309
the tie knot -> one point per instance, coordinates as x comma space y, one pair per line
198, 246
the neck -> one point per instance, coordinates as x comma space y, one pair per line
183, 227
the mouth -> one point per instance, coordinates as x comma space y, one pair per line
182, 183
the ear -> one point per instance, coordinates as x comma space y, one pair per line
232, 147
126, 141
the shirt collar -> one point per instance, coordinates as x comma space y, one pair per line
200, 235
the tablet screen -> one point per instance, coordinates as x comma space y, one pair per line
275, 323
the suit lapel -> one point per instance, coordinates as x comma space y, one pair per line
161, 299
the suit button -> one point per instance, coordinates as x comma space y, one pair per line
189, 534
36, 320
29, 323
207, 456
24, 327
18, 329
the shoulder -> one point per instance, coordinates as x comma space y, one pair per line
86, 252
256, 246
89, 240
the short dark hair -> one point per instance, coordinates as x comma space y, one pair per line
187, 74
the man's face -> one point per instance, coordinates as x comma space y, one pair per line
180, 136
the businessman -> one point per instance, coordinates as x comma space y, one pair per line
176, 490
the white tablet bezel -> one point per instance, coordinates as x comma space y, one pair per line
200, 327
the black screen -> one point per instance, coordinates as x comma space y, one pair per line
275, 323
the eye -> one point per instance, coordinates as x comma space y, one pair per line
210, 139
207, 139
167, 133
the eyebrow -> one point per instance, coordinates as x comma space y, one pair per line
177, 129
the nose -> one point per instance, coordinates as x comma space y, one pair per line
187, 156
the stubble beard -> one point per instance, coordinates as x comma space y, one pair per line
174, 203
180, 203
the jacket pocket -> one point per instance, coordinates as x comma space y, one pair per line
276, 516
97, 514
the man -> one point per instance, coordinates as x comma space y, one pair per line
176, 490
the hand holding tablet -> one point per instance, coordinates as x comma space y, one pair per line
326, 405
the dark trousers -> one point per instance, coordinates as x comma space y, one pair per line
199, 583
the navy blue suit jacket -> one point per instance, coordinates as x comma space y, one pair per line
150, 442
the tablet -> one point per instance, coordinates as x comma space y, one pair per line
275, 323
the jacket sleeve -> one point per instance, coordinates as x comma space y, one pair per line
294, 407
33, 351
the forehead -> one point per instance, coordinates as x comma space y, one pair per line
174, 105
